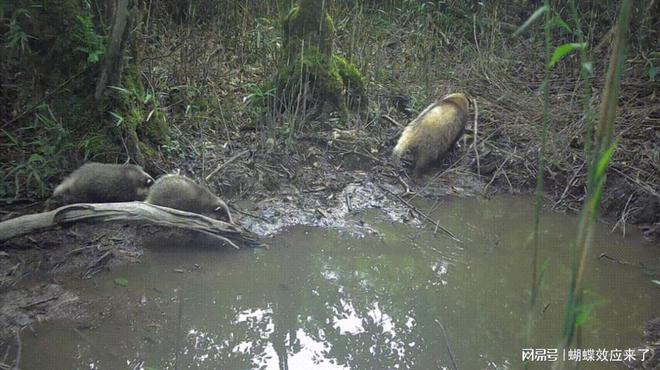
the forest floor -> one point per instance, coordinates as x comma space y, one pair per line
262, 155
279, 173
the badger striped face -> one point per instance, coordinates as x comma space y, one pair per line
141, 180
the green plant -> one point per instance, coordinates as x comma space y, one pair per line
16, 38
266, 37
597, 159
90, 43
604, 144
42, 147
259, 94
138, 106
94, 145
119, 119
537, 275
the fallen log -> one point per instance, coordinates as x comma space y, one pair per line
127, 212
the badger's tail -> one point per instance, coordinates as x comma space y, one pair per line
408, 138
63, 187
405, 142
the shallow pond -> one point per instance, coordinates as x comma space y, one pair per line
365, 298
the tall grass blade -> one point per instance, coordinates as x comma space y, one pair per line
604, 149
532, 18
564, 50
535, 283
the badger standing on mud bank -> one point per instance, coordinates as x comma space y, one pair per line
434, 131
102, 183
182, 193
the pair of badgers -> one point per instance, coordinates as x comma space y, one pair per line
434, 132
107, 183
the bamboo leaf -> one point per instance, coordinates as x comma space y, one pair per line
582, 316
35, 158
564, 50
120, 89
594, 201
599, 176
584, 311
604, 159
559, 23
11, 137
536, 15
118, 117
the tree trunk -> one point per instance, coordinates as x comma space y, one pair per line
113, 55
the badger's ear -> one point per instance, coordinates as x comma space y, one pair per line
219, 209
149, 182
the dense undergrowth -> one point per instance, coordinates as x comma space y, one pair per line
205, 70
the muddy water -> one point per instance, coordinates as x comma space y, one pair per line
365, 298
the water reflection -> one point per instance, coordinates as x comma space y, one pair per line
329, 334
324, 299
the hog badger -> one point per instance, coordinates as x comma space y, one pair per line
182, 193
434, 131
102, 183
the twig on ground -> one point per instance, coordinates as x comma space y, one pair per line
225, 163
438, 175
393, 121
499, 168
368, 156
405, 184
508, 181
250, 214
98, 265
474, 140
424, 215
646, 187
42, 301
78, 250
568, 184
624, 216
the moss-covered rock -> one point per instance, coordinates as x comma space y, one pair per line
320, 79
307, 25
310, 73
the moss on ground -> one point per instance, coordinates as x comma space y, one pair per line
353, 82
